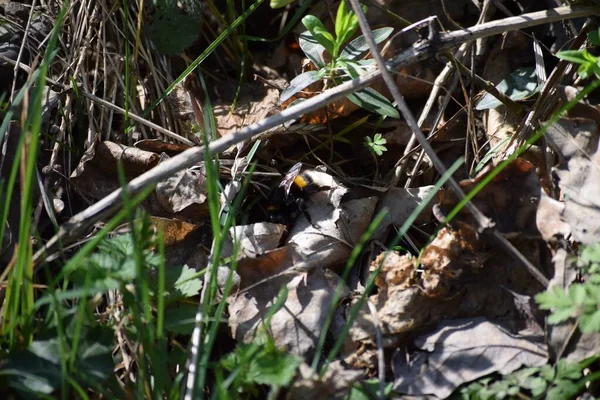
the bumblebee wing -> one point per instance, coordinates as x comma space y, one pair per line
289, 178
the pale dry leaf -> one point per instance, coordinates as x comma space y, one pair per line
258, 101
461, 351
298, 324
181, 190
576, 141
255, 239
400, 204
96, 175
334, 227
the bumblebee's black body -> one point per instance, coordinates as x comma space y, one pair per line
288, 199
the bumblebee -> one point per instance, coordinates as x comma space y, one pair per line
288, 199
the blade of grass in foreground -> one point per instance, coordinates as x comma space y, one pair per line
18, 306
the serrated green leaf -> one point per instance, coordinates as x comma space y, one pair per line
358, 47
562, 315
577, 293
555, 298
319, 32
590, 322
374, 102
188, 284
563, 389
568, 371
548, 372
274, 368
262, 364
311, 47
519, 85
537, 385
299, 83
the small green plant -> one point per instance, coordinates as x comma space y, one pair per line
337, 61
376, 145
251, 365
588, 63
581, 300
547, 381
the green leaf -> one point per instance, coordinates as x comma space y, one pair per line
188, 284
279, 3
312, 48
568, 371
554, 298
574, 56
548, 372
173, 26
342, 18
537, 386
274, 368
182, 282
37, 369
369, 389
358, 47
348, 32
262, 364
374, 102
577, 293
113, 265
319, 32
181, 319
590, 322
299, 83
355, 68
519, 85
562, 315
594, 37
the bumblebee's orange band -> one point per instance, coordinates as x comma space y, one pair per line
301, 182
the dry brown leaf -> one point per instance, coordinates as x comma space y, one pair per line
511, 199
96, 175
181, 190
400, 203
461, 351
298, 324
254, 240
445, 257
257, 101
576, 141
396, 271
